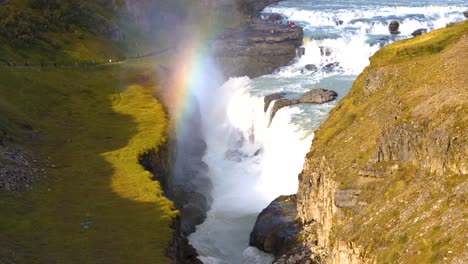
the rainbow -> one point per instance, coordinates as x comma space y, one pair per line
193, 71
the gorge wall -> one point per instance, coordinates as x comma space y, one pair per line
256, 48
385, 180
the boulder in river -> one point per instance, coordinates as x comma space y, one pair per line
277, 226
311, 67
330, 67
315, 96
318, 96
393, 27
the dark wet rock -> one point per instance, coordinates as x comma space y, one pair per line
318, 96
325, 51
277, 226
183, 177
192, 212
280, 103
180, 251
465, 14
311, 67
257, 48
270, 98
419, 32
338, 21
315, 96
330, 67
300, 52
393, 27
257, 152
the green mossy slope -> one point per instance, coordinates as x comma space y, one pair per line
86, 129
397, 144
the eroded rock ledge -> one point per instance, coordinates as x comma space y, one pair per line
283, 99
256, 48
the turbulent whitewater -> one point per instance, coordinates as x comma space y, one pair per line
252, 163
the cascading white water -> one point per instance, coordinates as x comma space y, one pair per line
252, 163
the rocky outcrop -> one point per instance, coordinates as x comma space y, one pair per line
393, 27
386, 171
315, 96
17, 173
318, 96
180, 251
311, 67
160, 162
277, 226
257, 48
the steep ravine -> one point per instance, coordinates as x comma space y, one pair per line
160, 163
385, 180
178, 164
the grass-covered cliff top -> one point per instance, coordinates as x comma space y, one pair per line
81, 31
82, 131
398, 142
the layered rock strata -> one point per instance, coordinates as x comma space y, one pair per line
257, 48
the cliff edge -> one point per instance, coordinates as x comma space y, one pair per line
386, 178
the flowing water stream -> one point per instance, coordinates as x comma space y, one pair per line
252, 163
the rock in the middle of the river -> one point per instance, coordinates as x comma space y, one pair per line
315, 96
277, 226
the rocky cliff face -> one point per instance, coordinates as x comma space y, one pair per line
160, 163
386, 178
257, 48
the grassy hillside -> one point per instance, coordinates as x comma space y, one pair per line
93, 202
81, 31
397, 143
